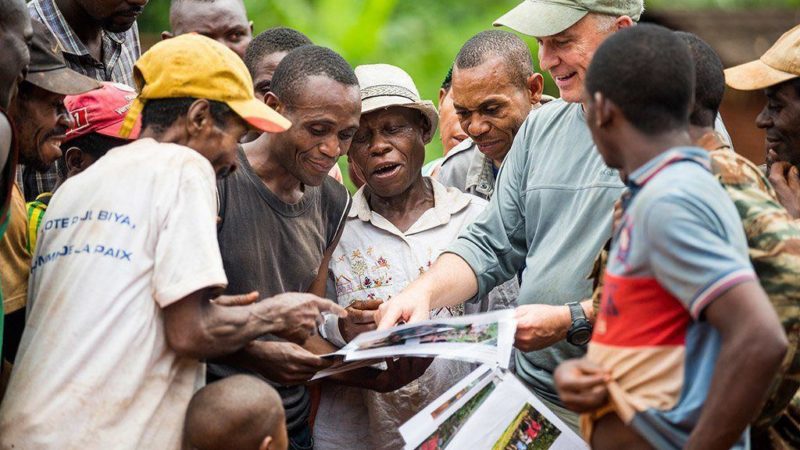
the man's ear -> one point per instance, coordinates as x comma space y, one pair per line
273, 101
442, 94
251, 27
535, 85
75, 161
265, 443
198, 117
166, 35
427, 129
624, 22
604, 110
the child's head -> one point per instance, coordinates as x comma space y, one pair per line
97, 117
237, 413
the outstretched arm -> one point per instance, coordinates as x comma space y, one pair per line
449, 281
199, 327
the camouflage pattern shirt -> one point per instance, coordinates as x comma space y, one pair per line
774, 240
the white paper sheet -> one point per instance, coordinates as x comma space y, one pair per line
501, 414
486, 338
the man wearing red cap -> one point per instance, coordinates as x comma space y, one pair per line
96, 119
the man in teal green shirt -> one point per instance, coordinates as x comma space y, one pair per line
551, 209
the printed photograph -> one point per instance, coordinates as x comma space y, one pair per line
448, 429
528, 431
485, 334
400, 337
458, 395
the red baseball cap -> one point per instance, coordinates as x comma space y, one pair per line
101, 111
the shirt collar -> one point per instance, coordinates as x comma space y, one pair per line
480, 175
446, 202
639, 177
58, 26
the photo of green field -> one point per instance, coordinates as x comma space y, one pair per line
528, 431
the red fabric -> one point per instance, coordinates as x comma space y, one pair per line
637, 312
101, 111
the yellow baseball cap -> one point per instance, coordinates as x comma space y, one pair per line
780, 63
191, 65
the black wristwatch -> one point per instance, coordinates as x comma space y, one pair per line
580, 332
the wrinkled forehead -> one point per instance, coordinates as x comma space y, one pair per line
788, 91
473, 86
191, 15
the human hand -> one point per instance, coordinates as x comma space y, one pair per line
540, 326
296, 314
284, 362
404, 307
360, 318
785, 178
581, 385
399, 373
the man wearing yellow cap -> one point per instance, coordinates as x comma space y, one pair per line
127, 265
778, 73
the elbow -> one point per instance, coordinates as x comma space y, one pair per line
185, 344
780, 346
771, 347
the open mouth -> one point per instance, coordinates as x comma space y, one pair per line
565, 79
487, 146
55, 143
386, 170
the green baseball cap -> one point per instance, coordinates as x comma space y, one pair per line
540, 18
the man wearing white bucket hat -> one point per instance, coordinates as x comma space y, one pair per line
399, 223
550, 210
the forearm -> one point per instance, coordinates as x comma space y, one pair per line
198, 327
742, 375
448, 282
319, 346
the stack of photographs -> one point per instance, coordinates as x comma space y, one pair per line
481, 338
489, 409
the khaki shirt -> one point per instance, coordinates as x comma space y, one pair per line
15, 261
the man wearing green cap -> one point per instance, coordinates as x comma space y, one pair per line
551, 207
127, 273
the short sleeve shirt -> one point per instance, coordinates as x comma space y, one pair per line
130, 236
680, 246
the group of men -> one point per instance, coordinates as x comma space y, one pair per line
172, 219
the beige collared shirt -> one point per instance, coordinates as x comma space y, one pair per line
375, 259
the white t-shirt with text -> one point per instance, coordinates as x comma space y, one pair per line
119, 242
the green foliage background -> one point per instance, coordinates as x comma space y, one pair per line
421, 36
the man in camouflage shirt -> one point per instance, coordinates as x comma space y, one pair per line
778, 73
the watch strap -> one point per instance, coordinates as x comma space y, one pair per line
576, 311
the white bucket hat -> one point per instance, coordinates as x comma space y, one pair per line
384, 85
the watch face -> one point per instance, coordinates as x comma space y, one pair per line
581, 336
